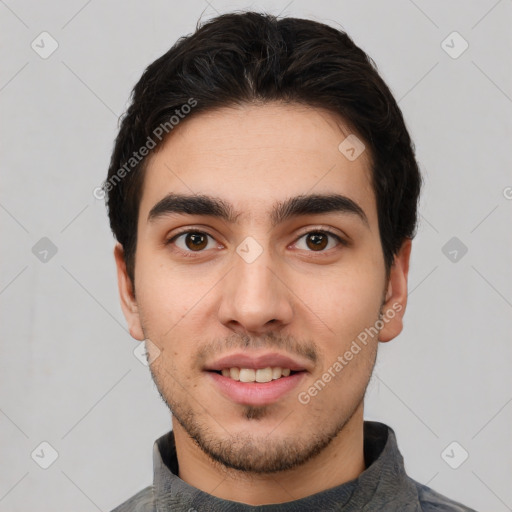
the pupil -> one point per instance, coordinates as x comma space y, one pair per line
318, 240
197, 240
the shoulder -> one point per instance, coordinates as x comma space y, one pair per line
432, 501
140, 502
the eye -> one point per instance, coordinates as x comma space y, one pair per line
318, 240
192, 241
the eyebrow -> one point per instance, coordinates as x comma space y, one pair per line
290, 208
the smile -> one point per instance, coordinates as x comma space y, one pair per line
255, 375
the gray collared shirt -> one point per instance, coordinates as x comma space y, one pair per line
383, 486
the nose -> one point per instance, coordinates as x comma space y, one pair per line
255, 299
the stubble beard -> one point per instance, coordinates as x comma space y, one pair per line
244, 451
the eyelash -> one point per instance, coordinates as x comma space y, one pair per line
191, 254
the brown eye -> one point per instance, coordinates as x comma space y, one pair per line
196, 241
191, 241
319, 241
316, 241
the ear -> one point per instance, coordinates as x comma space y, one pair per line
396, 296
128, 302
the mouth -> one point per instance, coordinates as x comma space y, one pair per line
256, 379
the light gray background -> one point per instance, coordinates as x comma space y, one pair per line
68, 373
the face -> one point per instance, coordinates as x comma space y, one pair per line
259, 258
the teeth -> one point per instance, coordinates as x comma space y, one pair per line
260, 375
247, 375
264, 375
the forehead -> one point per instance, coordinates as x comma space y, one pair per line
256, 155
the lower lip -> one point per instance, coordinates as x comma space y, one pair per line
256, 393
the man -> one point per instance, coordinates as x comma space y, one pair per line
263, 190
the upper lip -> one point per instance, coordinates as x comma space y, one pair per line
258, 361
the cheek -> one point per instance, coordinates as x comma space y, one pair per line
170, 309
160, 300
345, 302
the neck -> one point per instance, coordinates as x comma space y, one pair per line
341, 461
